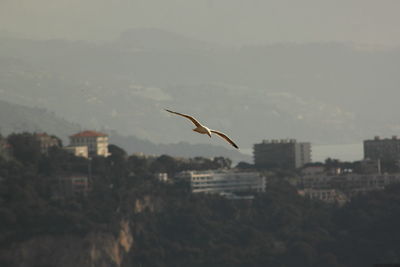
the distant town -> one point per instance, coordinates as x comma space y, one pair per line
331, 181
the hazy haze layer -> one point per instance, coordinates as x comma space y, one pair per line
320, 71
231, 22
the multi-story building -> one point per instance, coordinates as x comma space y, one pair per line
287, 154
370, 166
387, 149
161, 176
313, 170
329, 187
71, 186
326, 195
79, 151
348, 182
314, 181
222, 181
96, 142
46, 141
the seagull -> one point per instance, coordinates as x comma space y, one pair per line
203, 129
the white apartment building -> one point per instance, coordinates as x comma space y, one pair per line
96, 142
326, 195
220, 181
348, 181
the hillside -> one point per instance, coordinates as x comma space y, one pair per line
324, 93
18, 118
134, 144
127, 217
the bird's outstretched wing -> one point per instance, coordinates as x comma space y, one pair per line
186, 116
225, 137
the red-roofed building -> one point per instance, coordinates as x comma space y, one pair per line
96, 142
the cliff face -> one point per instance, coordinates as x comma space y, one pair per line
93, 250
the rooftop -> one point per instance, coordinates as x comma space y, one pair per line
42, 134
89, 134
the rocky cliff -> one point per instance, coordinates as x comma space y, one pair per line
95, 249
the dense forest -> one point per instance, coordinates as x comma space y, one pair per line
276, 228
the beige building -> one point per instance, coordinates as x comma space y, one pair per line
46, 141
79, 151
96, 142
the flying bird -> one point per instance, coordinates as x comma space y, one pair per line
203, 129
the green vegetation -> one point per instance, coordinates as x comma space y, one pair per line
277, 228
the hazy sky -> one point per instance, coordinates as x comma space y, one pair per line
221, 21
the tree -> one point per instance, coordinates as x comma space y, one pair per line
138, 166
164, 163
117, 151
244, 165
301, 254
221, 162
327, 260
25, 147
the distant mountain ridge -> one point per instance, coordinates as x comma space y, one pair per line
180, 149
160, 40
18, 118
323, 93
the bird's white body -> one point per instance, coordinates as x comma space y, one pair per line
200, 128
203, 130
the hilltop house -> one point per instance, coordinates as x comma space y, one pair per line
96, 144
46, 141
